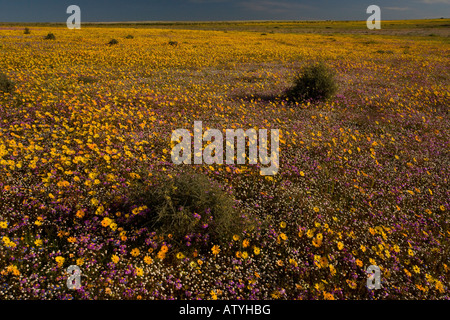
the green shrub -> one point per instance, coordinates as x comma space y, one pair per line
185, 205
129, 37
50, 36
173, 43
26, 31
383, 51
6, 85
87, 79
113, 42
315, 82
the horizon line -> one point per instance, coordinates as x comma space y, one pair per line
212, 21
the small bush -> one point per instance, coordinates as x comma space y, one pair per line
6, 85
188, 205
26, 31
383, 51
173, 43
129, 37
113, 42
316, 82
50, 36
86, 79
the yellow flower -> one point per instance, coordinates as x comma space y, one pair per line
324, 262
244, 255
407, 272
63, 184
275, 295
115, 258
316, 242
3, 224
319, 236
180, 255
139, 272
148, 260
72, 239
106, 222
283, 236
38, 242
328, 296
317, 261
80, 214
215, 249
351, 284
319, 286
332, 269
135, 252
80, 261
340, 245
161, 255
256, 250
60, 260
316, 209
283, 224
439, 286
245, 243
359, 263
416, 269
164, 248
213, 295
310, 233
410, 252
236, 237
12, 269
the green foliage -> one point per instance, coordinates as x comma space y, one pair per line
113, 42
189, 204
87, 79
50, 36
129, 37
26, 31
6, 85
315, 82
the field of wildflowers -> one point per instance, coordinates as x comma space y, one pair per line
363, 180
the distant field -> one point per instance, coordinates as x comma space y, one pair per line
422, 27
85, 161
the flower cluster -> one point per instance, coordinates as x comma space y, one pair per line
363, 177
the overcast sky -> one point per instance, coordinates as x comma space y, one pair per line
213, 10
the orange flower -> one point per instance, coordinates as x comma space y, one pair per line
215, 249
